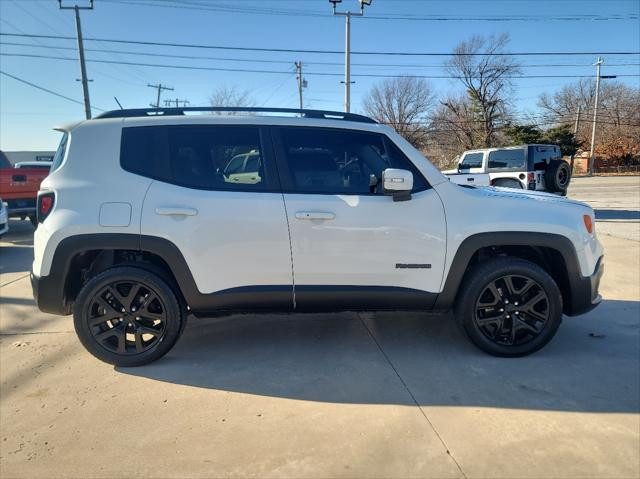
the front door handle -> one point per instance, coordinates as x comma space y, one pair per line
176, 211
315, 215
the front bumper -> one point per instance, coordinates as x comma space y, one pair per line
584, 292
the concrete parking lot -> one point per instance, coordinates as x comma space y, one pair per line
345, 395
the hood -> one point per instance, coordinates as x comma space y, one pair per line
496, 191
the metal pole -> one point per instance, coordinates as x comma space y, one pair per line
299, 78
159, 90
347, 63
575, 133
83, 68
595, 118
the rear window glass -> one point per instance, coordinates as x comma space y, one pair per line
202, 157
471, 160
543, 154
507, 160
59, 155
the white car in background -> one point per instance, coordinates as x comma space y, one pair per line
528, 167
4, 219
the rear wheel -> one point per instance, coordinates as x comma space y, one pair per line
127, 316
508, 183
509, 307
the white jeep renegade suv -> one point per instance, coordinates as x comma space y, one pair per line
150, 215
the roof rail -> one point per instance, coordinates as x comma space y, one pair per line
150, 112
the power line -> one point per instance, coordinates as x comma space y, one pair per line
254, 10
287, 62
22, 80
282, 72
329, 52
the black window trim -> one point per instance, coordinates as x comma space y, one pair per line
272, 180
285, 175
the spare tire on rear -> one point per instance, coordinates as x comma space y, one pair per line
557, 176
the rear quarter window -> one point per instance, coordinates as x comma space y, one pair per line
196, 156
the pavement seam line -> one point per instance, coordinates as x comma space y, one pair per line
13, 281
413, 398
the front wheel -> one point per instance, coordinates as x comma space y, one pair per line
127, 316
509, 307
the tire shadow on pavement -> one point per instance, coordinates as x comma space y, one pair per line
376, 358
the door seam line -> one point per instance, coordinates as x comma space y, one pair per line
293, 276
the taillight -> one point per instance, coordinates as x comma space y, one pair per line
45, 205
531, 176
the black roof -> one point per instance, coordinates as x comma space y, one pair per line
150, 112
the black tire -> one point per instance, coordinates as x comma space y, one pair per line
151, 324
557, 176
509, 328
508, 183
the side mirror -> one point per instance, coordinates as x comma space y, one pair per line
397, 183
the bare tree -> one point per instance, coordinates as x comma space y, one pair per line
403, 103
231, 97
479, 64
618, 114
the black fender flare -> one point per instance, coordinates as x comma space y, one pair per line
50, 291
578, 297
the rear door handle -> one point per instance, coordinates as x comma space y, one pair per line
315, 215
470, 179
176, 211
19, 178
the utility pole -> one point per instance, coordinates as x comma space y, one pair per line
177, 102
302, 83
347, 47
575, 132
83, 67
160, 87
595, 117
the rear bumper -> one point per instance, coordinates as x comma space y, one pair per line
48, 293
584, 292
21, 207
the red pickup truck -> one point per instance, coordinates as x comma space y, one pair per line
19, 188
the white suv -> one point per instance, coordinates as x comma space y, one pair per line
142, 221
529, 167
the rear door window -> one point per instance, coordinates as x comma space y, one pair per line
471, 160
197, 156
507, 160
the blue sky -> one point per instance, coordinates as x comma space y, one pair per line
27, 115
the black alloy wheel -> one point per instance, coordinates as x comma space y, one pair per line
509, 306
128, 316
512, 310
